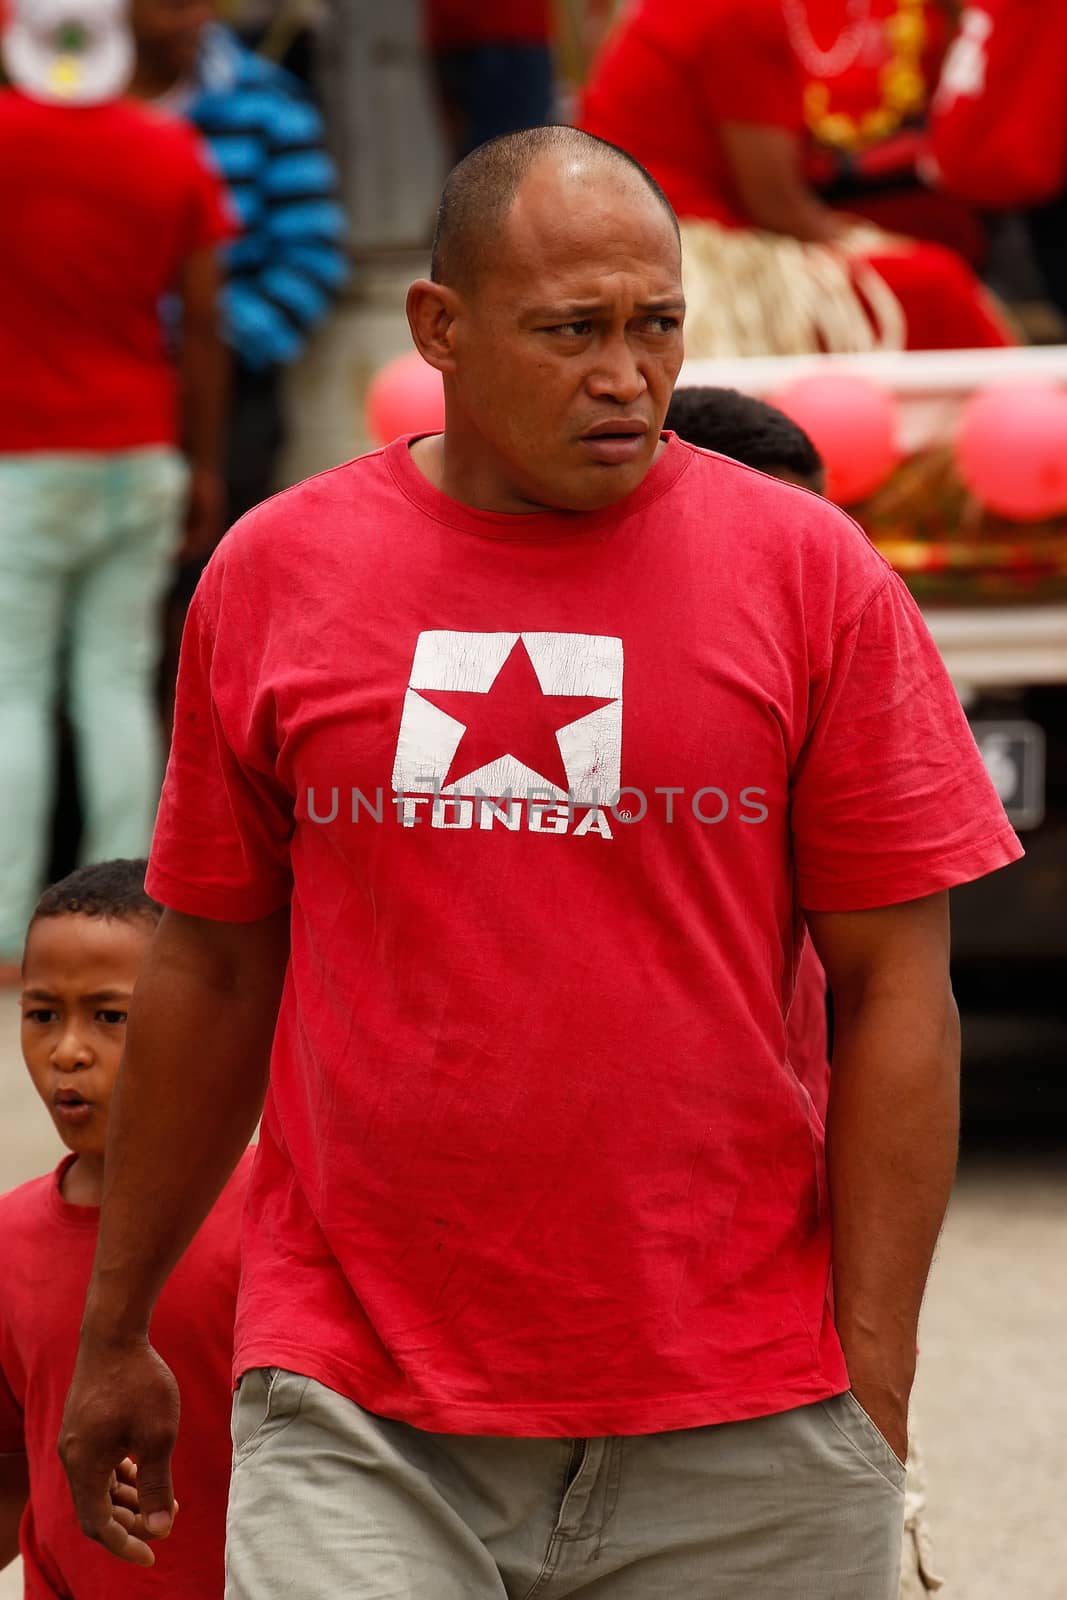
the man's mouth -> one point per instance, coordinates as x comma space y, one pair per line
617, 441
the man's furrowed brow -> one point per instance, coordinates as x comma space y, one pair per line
574, 311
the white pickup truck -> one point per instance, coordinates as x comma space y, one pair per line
1008, 661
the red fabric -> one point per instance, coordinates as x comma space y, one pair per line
107, 203
860, 87
453, 24
807, 1036
48, 1256
999, 124
945, 305
670, 74
533, 1159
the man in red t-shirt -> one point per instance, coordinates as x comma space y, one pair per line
112, 208
84, 948
511, 761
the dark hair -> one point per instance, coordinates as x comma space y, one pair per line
479, 192
103, 889
748, 430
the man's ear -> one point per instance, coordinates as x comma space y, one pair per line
432, 309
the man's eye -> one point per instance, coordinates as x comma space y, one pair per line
572, 330
661, 324
41, 1016
112, 1018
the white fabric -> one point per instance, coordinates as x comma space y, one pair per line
69, 52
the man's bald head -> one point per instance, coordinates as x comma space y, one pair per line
481, 191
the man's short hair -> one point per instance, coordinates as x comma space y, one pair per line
480, 191
744, 428
103, 889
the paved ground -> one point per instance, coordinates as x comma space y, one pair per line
991, 1395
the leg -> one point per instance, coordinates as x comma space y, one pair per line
1047, 227
327, 1499
804, 1505
255, 438
510, 87
115, 645
945, 304
44, 498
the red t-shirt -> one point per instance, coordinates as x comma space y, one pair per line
105, 205
670, 75
999, 124
533, 1159
48, 1255
807, 1036
455, 24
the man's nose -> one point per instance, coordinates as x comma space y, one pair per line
617, 374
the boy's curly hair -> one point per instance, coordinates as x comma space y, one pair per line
103, 889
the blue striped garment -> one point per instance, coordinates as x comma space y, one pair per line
268, 143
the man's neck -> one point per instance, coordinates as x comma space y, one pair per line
470, 482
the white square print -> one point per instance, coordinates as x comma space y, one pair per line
512, 713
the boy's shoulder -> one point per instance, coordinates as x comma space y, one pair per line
28, 1202
29, 1226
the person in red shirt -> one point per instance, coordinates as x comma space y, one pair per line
113, 208
769, 121
508, 765
84, 949
998, 127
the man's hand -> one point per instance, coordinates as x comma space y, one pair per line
203, 515
887, 1407
123, 1403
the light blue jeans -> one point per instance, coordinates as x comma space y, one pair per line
86, 546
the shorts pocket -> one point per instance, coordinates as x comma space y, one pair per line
267, 1399
866, 1437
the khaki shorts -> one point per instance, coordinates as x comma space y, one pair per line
328, 1500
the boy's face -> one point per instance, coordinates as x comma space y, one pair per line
78, 975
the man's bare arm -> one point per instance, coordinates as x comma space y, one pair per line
892, 1134
186, 1102
766, 165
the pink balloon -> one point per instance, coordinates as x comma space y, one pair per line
853, 425
405, 396
1012, 450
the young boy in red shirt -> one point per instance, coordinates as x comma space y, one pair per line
83, 953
